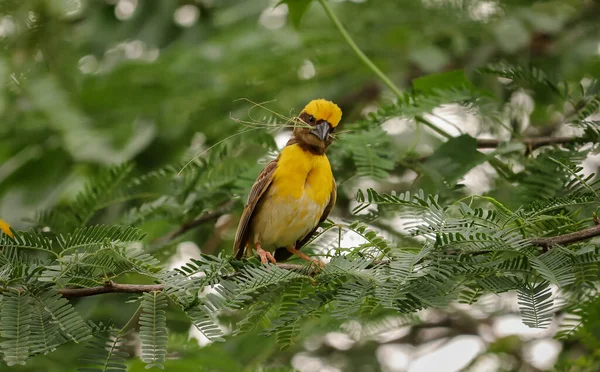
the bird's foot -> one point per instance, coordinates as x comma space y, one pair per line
265, 256
318, 263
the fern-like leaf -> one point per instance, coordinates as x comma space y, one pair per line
536, 304
370, 151
62, 313
27, 240
15, 326
105, 353
45, 334
153, 329
97, 194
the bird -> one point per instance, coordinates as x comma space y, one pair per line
294, 193
5, 228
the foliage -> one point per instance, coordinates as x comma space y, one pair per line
129, 140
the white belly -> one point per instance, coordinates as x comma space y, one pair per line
282, 221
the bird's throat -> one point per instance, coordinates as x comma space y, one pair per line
299, 171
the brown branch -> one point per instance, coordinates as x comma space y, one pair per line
533, 142
109, 287
530, 143
574, 237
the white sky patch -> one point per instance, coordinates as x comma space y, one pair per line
513, 325
274, 18
520, 108
351, 239
134, 49
304, 362
195, 333
7, 26
479, 179
450, 357
396, 126
495, 303
568, 130
394, 357
487, 363
185, 252
543, 353
88, 64
368, 109
591, 164
339, 340
307, 70
125, 9
405, 225
72, 8
313, 343
392, 334
281, 138
151, 54
483, 10
186, 15
453, 119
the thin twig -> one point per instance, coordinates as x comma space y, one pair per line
533, 142
110, 287
530, 142
210, 216
357, 50
574, 237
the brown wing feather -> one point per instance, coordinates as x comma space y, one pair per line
282, 254
263, 181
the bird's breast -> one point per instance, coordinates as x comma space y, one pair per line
293, 205
300, 172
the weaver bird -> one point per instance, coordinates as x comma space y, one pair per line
5, 228
294, 193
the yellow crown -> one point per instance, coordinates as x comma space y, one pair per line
324, 110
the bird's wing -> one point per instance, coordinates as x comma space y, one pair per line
262, 183
282, 254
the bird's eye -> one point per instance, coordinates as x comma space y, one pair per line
311, 119
332, 130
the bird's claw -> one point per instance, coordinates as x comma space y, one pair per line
317, 264
265, 257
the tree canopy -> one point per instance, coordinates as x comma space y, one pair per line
133, 131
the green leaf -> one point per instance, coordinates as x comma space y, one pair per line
15, 327
153, 329
105, 353
536, 305
452, 161
62, 313
296, 9
446, 80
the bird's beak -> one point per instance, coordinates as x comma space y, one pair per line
321, 130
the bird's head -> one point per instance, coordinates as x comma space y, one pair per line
322, 117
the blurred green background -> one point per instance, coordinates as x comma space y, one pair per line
85, 84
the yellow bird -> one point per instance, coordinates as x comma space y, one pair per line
294, 193
5, 228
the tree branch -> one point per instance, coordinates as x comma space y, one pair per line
109, 287
545, 243
214, 215
574, 237
533, 142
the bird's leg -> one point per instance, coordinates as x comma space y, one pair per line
265, 256
303, 256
